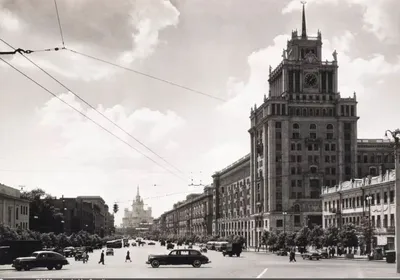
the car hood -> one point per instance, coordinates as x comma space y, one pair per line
25, 259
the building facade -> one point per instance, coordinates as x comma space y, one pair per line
193, 216
138, 215
303, 137
98, 211
348, 203
14, 211
231, 201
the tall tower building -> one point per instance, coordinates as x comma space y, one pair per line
303, 137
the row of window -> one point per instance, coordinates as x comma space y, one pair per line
376, 221
312, 126
348, 203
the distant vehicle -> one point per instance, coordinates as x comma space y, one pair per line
114, 244
69, 252
282, 252
324, 254
312, 255
79, 255
170, 246
10, 250
220, 246
47, 259
110, 252
126, 242
232, 249
211, 245
178, 257
151, 243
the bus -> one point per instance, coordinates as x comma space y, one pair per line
114, 244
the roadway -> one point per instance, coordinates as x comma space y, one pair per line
249, 265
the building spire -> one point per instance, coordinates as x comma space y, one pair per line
303, 21
137, 191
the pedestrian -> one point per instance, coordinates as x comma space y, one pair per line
102, 257
292, 256
128, 257
84, 257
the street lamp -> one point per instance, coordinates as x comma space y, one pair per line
396, 138
369, 201
284, 222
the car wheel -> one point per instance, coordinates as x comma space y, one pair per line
155, 264
26, 267
238, 255
58, 266
196, 263
49, 267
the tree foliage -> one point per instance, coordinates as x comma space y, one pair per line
316, 237
301, 239
348, 235
331, 236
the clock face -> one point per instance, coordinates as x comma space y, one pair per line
311, 80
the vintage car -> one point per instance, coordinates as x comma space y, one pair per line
110, 252
312, 255
47, 259
69, 252
178, 257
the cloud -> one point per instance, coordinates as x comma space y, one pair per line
82, 139
246, 94
225, 154
8, 21
148, 19
378, 16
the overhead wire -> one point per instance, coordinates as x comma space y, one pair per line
59, 23
147, 75
90, 119
97, 111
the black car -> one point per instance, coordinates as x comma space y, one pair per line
178, 257
151, 243
47, 259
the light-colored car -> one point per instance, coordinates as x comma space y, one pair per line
110, 252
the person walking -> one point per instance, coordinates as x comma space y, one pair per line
128, 257
292, 256
102, 257
84, 257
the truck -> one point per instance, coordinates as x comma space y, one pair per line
10, 250
232, 249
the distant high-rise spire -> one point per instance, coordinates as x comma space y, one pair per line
303, 21
137, 194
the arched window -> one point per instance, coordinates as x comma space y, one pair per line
296, 126
313, 169
298, 113
311, 112
329, 126
296, 208
304, 112
324, 112
317, 112
313, 126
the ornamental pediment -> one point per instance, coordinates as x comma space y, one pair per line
310, 58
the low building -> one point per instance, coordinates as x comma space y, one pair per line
347, 203
14, 211
232, 203
193, 216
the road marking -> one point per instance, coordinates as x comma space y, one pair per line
262, 273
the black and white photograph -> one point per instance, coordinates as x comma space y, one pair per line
199, 139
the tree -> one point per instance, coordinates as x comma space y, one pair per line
366, 234
348, 236
272, 240
315, 237
301, 239
7, 233
281, 240
291, 239
331, 236
265, 236
43, 216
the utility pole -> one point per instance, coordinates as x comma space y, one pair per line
396, 137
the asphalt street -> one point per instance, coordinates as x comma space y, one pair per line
249, 265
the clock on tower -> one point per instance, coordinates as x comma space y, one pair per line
311, 80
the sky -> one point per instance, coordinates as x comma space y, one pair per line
219, 47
